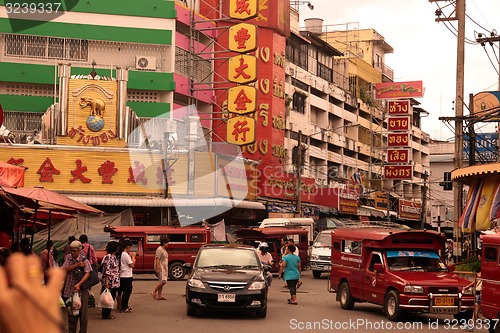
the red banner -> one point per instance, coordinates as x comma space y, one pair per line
399, 90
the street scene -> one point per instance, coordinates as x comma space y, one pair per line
222, 165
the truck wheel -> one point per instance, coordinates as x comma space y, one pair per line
176, 272
262, 313
391, 306
190, 311
346, 300
316, 274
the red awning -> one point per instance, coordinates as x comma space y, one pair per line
11, 175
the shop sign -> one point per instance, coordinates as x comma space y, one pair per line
410, 210
398, 139
398, 172
397, 108
243, 9
398, 156
242, 100
398, 124
399, 90
240, 130
348, 201
243, 38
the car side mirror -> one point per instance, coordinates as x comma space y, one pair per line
378, 267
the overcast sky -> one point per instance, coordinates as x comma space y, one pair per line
423, 48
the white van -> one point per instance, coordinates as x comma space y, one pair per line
303, 222
321, 253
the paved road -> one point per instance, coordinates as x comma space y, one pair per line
317, 312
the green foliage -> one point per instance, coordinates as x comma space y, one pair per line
470, 265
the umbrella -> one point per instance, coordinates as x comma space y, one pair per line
46, 215
38, 194
43, 197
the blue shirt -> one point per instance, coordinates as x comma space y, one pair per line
291, 271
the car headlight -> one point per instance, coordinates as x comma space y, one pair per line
257, 285
195, 283
414, 289
468, 291
314, 257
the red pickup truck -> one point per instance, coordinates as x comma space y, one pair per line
182, 248
399, 269
490, 274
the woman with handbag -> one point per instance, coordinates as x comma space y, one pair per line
110, 275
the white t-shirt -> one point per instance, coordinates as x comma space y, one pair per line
126, 270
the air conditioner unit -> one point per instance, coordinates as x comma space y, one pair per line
145, 63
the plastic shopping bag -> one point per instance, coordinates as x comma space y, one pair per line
73, 304
106, 300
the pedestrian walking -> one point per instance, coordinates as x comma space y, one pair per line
161, 268
126, 275
110, 275
290, 271
72, 263
296, 252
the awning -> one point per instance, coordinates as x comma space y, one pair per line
370, 211
467, 174
148, 201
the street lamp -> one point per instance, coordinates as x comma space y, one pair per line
297, 3
299, 162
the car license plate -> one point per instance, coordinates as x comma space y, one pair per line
226, 298
444, 301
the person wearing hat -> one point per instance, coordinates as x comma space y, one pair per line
72, 262
266, 259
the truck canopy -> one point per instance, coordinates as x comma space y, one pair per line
386, 238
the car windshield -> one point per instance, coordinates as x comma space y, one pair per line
323, 240
415, 261
228, 258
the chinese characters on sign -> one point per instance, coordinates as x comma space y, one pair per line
242, 69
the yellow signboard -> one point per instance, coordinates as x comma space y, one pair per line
241, 130
243, 38
242, 99
242, 69
92, 113
243, 9
487, 105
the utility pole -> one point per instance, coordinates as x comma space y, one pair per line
490, 40
299, 174
423, 212
459, 107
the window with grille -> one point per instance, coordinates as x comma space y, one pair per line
297, 54
202, 67
142, 96
46, 47
22, 123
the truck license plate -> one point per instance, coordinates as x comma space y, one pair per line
444, 301
226, 298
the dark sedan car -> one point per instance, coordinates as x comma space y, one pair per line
227, 277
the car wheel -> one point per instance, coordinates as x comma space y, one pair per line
391, 306
466, 315
316, 274
262, 313
190, 311
346, 300
176, 272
